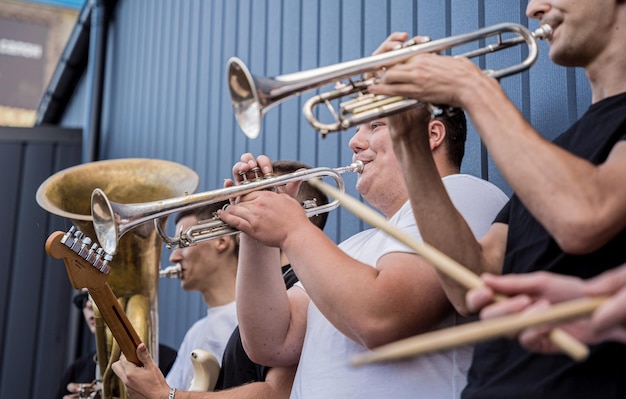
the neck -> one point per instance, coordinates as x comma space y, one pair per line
606, 72
220, 289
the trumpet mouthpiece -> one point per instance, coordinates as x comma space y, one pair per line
544, 32
357, 166
174, 271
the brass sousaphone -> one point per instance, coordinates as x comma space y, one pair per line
134, 273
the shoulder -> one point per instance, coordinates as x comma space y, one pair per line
478, 200
463, 184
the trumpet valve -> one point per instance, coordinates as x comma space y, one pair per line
255, 171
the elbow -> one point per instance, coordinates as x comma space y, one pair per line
382, 333
270, 356
582, 236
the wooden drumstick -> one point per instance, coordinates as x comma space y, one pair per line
475, 332
448, 266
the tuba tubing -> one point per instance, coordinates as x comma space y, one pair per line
251, 96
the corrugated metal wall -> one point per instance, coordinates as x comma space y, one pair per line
166, 95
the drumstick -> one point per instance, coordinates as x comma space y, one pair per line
448, 266
479, 331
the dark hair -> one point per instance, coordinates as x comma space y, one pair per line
456, 134
201, 213
307, 192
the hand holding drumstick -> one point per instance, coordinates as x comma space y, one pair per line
537, 292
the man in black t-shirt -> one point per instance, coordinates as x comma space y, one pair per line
568, 211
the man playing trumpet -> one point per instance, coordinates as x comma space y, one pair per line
368, 291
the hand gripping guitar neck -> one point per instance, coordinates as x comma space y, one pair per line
87, 267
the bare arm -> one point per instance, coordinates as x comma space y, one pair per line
582, 205
148, 382
277, 385
441, 225
272, 320
360, 301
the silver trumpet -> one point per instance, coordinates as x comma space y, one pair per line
172, 271
111, 220
252, 96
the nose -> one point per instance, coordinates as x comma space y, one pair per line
358, 141
175, 256
536, 9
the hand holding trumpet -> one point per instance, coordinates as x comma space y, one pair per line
261, 214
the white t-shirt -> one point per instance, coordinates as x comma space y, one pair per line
210, 333
324, 370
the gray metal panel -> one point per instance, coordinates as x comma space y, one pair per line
35, 295
166, 95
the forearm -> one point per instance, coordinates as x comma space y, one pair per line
361, 301
262, 304
440, 224
576, 201
254, 390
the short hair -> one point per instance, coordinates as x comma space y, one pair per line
203, 212
307, 192
456, 134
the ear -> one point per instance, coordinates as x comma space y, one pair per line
221, 244
436, 133
294, 187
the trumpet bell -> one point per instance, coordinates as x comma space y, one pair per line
244, 98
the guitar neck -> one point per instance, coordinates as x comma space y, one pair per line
88, 268
117, 321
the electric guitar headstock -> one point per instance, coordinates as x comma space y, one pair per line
87, 267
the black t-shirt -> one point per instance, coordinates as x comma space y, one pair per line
502, 368
83, 370
237, 368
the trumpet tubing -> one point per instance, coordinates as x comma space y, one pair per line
112, 220
251, 96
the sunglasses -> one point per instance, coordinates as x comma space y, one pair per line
80, 299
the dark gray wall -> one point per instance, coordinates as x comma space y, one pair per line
38, 327
165, 97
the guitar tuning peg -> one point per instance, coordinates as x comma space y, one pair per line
83, 247
105, 268
68, 238
92, 255
78, 237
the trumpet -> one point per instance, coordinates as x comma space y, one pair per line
172, 271
112, 220
252, 96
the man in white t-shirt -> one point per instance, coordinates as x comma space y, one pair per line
209, 267
368, 291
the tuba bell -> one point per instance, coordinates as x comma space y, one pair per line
134, 272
